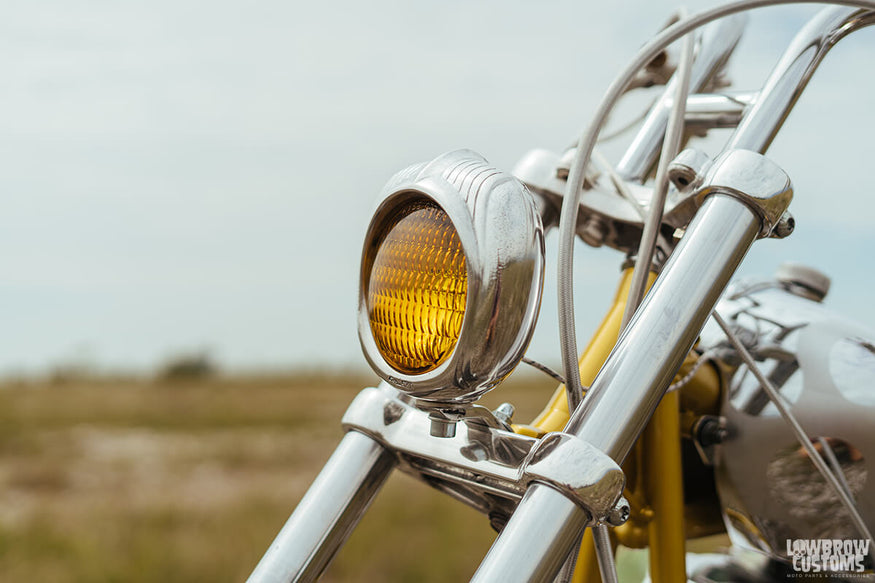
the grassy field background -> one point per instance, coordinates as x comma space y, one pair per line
190, 480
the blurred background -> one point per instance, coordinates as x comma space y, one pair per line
186, 187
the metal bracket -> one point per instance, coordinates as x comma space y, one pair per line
580, 471
748, 176
482, 462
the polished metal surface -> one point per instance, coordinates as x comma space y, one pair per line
482, 460
611, 212
840, 487
328, 513
533, 545
753, 179
629, 386
671, 145
661, 333
579, 470
544, 172
657, 339
822, 366
501, 234
804, 280
716, 110
584, 151
485, 463
605, 554
747, 171
716, 45
688, 169
792, 73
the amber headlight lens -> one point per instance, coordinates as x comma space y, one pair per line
417, 289
450, 279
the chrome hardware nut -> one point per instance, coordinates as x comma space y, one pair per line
687, 169
785, 226
443, 423
504, 413
619, 514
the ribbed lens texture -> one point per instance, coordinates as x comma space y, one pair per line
417, 289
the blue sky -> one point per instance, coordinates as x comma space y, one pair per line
198, 175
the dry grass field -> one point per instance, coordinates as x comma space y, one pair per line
139, 481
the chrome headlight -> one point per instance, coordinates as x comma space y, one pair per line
451, 278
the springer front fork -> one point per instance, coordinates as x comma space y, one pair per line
565, 481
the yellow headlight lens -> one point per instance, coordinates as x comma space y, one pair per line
417, 288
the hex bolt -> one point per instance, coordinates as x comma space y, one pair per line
784, 227
619, 514
712, 431
504, 413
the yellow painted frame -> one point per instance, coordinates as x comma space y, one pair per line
654, 470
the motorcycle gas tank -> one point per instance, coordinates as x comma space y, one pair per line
824, 366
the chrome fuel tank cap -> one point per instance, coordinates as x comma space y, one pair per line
803, 281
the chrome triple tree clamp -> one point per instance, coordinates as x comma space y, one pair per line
748, 176
484, 457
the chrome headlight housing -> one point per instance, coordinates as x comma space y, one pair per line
451, 278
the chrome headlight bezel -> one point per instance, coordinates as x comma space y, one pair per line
496, 220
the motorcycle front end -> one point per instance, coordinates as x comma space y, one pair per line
655, 420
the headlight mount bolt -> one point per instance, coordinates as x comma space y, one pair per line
443, 422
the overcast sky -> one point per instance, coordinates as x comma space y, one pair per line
186, 175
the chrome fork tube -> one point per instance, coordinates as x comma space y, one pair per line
328, 513
535, 541
664, 328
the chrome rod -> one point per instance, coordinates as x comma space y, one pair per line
548, 528
328, 513
641, 272
605, 554
792, 73
645, 359
566, 573
717, 110
661, 333
718, 42
830, 456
